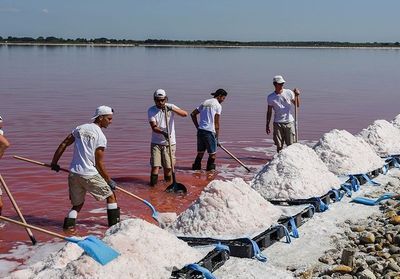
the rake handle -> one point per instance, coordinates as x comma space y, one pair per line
32, 227
234, 157
14, 203
65, 170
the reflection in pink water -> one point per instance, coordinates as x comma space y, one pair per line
46, 91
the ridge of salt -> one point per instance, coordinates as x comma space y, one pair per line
226, 209
296, 172
345, 154
147, 251
396, 121
383, 137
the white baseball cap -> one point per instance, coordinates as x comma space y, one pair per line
102, 110
278, 79
160, 93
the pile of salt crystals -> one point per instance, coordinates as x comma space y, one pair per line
296, 172
396, 121
226, 209
147, 251
383, 137
346, 154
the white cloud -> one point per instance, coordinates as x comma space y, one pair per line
46, 11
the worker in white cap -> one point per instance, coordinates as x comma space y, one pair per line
280, 101
87, 169
160, 142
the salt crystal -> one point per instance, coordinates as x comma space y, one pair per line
226, 209
383, 137
346, 154
296, 172
147, 251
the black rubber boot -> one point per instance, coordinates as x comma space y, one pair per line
210, 164
153, 179
197, 164
167, 178
113, 216
69, 223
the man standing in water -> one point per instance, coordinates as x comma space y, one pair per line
87, 170
159, 137
280, 101
208, 128
4, 144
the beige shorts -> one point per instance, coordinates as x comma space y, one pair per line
283, 133
95, 185
160, 156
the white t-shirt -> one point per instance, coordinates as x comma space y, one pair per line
88, 137
208, 109
281, 103
158, 116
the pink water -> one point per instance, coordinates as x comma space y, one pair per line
46, 91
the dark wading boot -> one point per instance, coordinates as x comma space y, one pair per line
197, 164
113, 216
211, 164
153, 179
168, 178
69, 224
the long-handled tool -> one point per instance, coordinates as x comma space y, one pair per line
155, 213
296, 117
93, 246
234, 157
174, 187
14, 203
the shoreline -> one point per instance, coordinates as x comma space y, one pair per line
194, 46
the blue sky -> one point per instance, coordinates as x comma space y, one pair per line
251, 20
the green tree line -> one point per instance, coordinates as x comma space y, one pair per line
55, 40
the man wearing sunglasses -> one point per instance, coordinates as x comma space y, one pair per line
159, 137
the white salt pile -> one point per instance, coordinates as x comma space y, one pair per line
296, 172
346, 154
396, 121
226, 209
383, 137
146, 252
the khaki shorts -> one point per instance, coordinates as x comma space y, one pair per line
95, 185
283, 133
160, 155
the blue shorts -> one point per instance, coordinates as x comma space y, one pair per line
206, 140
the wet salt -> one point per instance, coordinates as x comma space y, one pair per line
383, 137
226, 209
296, 172
147, 251
346, 154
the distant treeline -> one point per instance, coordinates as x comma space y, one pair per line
102, 41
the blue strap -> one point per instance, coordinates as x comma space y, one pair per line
338, 194
204, 271
355, 184
384, 197
221, 247
369, 180
295, 232
257, 252
385, 168
372, 202
346, 187
322, 206
286, 231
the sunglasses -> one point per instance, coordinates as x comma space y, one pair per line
160, 100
